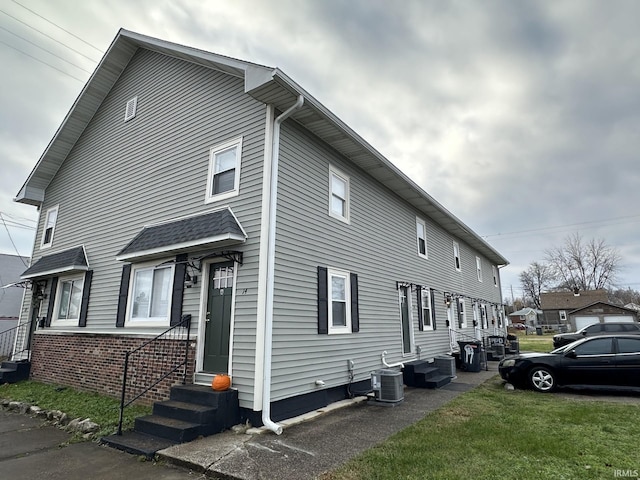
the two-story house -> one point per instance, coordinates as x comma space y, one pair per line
185, 186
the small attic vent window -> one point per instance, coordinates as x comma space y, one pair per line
130, 111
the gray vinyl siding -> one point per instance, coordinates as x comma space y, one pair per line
121, 176
379, 245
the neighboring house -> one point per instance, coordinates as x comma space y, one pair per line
189, 186
11, 292
600, 312
556, 306
527, 316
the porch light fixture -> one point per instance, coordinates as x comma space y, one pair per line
190, 281
447, 300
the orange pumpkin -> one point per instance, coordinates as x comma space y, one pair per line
221, 382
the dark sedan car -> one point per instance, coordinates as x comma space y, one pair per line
609, 328
607, 362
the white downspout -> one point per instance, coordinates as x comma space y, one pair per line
271, 258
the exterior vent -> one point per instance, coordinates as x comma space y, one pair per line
130, 111
387, 386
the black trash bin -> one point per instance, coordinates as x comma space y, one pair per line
538, 330
470, 356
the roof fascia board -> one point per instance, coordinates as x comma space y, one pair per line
49, 273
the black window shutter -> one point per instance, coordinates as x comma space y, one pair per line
178, 289
420, 311
355, 311
122, 296
323, 301
433, 309
52, 301
84, 306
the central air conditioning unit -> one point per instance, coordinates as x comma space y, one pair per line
387, 386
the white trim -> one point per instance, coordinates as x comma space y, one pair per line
479, 268
412, 343
53, 228
341, 329
211, 197
335, 172
48, 273
420, 221
457, 259
222, 240
425, 292
149, 321
66, 322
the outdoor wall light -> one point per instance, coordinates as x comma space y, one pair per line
190, 281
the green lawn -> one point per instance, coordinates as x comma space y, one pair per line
101, 409
492, 433
535, 343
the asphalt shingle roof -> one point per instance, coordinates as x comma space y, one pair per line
192, 230
65, 261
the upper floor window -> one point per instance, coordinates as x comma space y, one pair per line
49, 227
339, 195
421, 233
479, 268
456, 255
151, 294
224, 170
68, 300
563, 315
494, 270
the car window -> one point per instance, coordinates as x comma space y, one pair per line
631, 327
628, 345
593, 328
597, 346
614, 327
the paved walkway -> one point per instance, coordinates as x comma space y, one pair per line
306, 450
30, 449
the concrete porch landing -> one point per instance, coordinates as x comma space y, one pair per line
306, 449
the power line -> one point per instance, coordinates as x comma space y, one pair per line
58, 26
561, 226
42, 61
44, 49
11, 240
49, 36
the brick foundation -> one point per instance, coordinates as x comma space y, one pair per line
95, 363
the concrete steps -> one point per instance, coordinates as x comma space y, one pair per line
12, 372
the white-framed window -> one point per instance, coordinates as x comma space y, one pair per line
456, 256
484, 317
462, 314
421, 234
150, 295
339, 301
49, 227
479, 268
476, 313
494, 271
425, 305
223, 180
68, 300
130, 109
563, 315
339, 204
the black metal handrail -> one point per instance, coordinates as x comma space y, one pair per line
153, 361
8, 339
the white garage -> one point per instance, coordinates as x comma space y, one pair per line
618, 318
601, 312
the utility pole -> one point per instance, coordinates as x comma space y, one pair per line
513, 301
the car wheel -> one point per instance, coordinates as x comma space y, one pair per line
542, 379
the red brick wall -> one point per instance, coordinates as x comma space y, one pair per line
95, 363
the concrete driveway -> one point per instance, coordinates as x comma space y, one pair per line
30, 449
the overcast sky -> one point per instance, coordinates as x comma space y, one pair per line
521, 117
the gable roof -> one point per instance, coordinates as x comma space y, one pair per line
591, 305
217, 228
266, 84
569, 301
71, 260
524, 312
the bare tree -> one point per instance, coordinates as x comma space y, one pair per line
585, 265
537, 278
